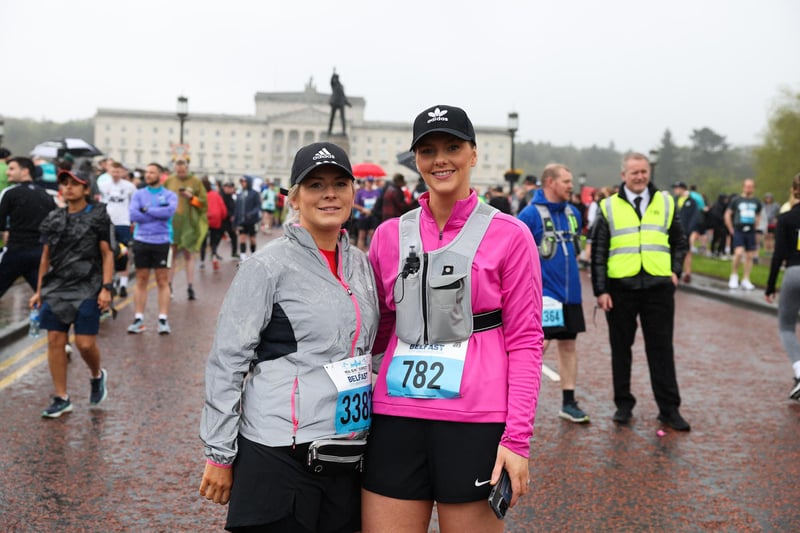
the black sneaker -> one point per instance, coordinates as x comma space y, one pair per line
58, 407
622, 416
795, 394
123, 291
99, 388
190, 292
674, 420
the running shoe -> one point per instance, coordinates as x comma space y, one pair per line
123, 291
58, 407
99, 388
746, 285
795, 394
137, 326
733, 282
163, 327
215, 264
202, 265
68, 350
573, 413
190, 292
674, 420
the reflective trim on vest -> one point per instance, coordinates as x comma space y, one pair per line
638, 244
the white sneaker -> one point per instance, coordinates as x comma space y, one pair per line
733, 282
746, 285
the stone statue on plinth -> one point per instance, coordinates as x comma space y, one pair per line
338, 101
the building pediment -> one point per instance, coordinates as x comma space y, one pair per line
304, 115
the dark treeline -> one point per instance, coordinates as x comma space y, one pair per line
709, 162
22, 134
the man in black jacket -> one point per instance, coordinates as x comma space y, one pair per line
229, 224
23, 206
635, 269
247, 216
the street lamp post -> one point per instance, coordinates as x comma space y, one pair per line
513, 126
653, 162
183, 112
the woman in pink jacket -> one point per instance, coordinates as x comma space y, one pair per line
459, 286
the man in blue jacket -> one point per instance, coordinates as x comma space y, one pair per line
151, 209
555, 224
248, 215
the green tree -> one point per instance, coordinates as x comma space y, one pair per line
708, 148
667, 170
778, 159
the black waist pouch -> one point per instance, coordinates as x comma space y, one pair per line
333, 457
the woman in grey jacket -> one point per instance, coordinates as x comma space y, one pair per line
291, 365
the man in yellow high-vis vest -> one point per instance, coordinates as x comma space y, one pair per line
638, 246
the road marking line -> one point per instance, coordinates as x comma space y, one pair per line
23, 353
21, 371
550, 373
14, 376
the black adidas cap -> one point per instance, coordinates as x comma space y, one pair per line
310, 157
445, 119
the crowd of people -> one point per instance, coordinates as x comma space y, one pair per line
384, 354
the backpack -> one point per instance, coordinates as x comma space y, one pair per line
551, 237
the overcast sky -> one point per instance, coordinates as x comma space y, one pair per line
580, 72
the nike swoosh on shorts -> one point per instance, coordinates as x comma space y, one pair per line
481, 483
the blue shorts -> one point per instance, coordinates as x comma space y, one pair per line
87, 321
122, 234
744, 239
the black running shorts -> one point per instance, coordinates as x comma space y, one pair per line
248, 229
574, 323
415, 459
273, 490
146, 255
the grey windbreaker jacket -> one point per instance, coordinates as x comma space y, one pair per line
284, 317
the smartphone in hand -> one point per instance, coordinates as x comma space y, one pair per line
500, 497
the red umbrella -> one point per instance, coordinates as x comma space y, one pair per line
363, 170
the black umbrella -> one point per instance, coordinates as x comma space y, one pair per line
407, 159
74, 146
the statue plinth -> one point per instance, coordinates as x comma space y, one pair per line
339, 139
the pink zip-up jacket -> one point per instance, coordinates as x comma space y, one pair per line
503, 366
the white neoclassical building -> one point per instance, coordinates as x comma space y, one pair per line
264, 144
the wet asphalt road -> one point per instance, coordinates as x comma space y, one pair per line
135, 464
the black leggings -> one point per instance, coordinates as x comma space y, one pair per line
214, 236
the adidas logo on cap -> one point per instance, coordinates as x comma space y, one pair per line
323, 154
445, 119
315, 154
437, 114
